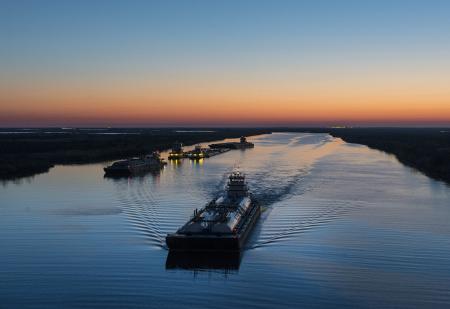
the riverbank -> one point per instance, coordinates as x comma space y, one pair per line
424, 149
26, 153
29, 152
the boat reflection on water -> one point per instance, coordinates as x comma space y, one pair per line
175, 163
156, 174
228, 262
197, 162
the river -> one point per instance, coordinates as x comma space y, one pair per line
342, 225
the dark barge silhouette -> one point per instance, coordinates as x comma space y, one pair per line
242, 144
223, 225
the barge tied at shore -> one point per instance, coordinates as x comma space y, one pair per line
197, 153
135, 165
242, 144
177, 152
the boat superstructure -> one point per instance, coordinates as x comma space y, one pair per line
177, 151
197, 153
223, 225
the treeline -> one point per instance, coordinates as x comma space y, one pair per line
27, 154
425, 149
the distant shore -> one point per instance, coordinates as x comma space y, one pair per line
27, 152
424, 149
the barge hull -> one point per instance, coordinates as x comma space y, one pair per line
178, 242
113, 172
132, 171
205, 243
227, 261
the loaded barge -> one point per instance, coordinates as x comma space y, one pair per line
135, 165
223, 225
242, 144
200, 153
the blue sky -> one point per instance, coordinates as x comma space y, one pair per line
166, 42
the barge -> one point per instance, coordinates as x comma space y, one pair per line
177, 151
216, 151
197, 153
135, 165
217, 260
222, 225
242, 144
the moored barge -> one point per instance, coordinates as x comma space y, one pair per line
242, 144
177, 151
135, 165
197, 153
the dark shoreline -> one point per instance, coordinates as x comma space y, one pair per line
27, 154
427, 152
424, 149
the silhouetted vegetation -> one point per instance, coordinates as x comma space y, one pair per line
425, 149
27, 154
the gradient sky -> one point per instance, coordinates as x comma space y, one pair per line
202, 63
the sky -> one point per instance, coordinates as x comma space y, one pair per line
224, 63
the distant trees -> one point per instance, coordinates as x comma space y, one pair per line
426, 149
29, 154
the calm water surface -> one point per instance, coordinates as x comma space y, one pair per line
342, 225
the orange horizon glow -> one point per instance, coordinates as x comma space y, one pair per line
247, 63
218, 106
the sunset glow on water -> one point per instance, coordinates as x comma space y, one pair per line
342, 225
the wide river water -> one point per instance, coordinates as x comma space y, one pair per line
343, 225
